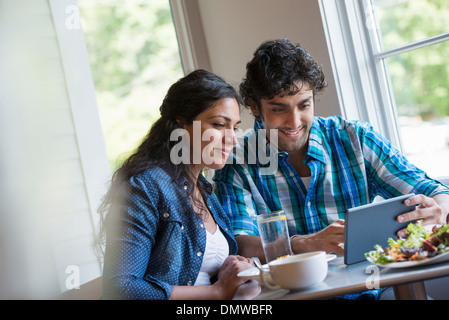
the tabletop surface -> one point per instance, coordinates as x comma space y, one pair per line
344, 279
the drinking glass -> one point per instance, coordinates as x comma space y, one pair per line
274, 235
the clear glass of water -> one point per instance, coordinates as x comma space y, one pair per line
274, 235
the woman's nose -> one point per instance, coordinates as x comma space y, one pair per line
230, 137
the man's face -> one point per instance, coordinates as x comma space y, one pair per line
291, 115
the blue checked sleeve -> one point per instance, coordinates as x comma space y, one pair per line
391, 172
237, 200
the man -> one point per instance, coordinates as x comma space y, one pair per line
324, 165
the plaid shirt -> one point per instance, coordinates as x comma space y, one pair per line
350, 165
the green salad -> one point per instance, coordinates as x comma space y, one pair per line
419, 244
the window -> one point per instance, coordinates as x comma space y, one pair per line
395, 63
134, 57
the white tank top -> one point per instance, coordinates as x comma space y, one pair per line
217, 250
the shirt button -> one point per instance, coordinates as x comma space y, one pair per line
308, 203
166, 215
185, 187
201, 225
291, 174
182, 227
189, 283
199, 254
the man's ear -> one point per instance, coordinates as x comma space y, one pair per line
254, 109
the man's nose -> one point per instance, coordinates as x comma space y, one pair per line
293, 120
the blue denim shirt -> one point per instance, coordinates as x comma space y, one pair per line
155, 240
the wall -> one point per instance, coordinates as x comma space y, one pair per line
233, 29
53, 165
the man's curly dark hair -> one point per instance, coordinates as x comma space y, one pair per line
275, 68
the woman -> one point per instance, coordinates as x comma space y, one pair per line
166, 233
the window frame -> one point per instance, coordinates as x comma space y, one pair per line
81, 93
191, 39
358, 62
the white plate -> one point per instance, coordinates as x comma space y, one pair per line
330, 256
253, 273
409, 264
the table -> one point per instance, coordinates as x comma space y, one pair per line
408, 283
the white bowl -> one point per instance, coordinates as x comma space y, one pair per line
297, 271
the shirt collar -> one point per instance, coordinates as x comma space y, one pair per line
316, 149
208, 186
258, 126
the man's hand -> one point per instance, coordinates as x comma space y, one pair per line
430, 210
328, 239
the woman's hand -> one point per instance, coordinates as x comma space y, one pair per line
224, 288
228, 282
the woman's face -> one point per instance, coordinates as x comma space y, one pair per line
212, 134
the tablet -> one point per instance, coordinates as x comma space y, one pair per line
371, 224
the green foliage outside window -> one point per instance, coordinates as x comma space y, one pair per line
134, 58
420, 78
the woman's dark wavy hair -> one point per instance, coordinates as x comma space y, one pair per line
184, 101
275, 68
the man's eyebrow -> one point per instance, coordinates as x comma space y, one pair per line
280, 104
306, 99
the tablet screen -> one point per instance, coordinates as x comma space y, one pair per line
371, 224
